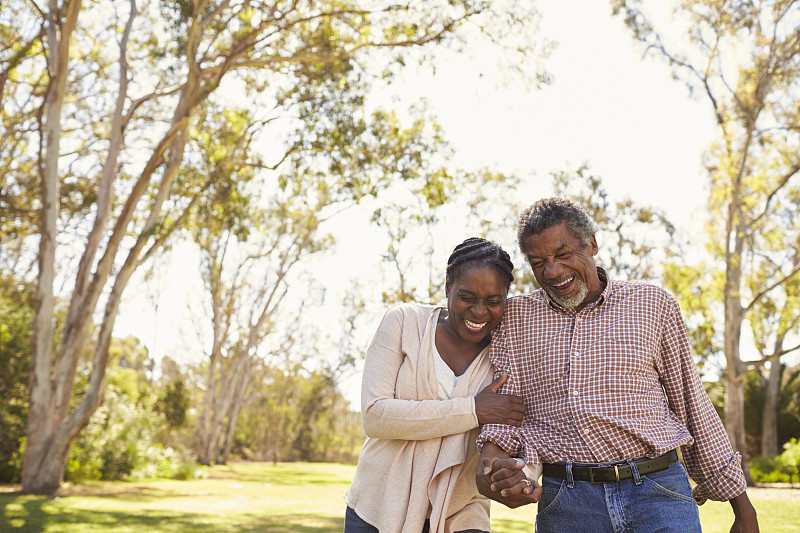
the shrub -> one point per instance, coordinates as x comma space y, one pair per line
120, 442
783, 468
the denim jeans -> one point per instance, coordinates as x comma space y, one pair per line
355, 524
657, 502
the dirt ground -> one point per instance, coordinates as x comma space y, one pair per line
776, 491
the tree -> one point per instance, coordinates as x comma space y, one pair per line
109, 93
774, 320
744, 59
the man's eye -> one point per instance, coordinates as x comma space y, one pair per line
536, 264
494, 302
564, 255
468, 299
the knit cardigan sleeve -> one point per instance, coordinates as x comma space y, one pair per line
397, 398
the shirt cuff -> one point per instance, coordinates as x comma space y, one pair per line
728, 483
500, 435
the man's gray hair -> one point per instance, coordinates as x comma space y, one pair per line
549, 212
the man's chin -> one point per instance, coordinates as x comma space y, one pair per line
569, 302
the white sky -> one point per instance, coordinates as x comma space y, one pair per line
624, 116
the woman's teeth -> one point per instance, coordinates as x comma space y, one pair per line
474, 326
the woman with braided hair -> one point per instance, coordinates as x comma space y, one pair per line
426, 389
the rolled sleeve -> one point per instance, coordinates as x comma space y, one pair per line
710, 459
726, 485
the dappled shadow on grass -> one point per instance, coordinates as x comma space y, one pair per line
118, 489
23, 513
29, 516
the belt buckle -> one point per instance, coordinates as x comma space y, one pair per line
616, 473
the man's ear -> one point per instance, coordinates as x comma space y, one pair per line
593, 245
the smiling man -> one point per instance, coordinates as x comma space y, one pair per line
612, 397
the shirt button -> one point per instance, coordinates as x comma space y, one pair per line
575, 393
576, 353
587, 430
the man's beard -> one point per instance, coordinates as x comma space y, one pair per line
573, 300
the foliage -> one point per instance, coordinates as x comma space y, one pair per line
121, 440
16, 318
293, 414
788, 406
173, 404
783, 468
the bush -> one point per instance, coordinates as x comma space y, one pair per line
120, 442
783, 468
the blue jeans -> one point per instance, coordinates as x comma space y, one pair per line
658, 502
355, 524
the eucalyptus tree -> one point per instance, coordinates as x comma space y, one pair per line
743, 58
107, 91
775, 324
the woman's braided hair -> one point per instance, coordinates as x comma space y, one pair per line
477, 252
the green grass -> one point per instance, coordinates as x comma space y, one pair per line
284, 498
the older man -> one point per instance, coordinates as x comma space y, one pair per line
612, 397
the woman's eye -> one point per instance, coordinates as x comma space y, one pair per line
467, 299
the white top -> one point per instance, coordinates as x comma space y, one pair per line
444, 374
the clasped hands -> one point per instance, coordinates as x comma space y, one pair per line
501, 478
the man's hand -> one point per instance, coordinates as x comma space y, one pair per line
494, 408
501, 478
745, 519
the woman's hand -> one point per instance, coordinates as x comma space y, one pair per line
494, 408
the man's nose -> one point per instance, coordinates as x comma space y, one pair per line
552, 269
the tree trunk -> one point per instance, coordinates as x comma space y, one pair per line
228, 391
237, 406
769, 418
209, 400
41, 473
734, 374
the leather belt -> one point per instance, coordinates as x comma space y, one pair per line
610, 473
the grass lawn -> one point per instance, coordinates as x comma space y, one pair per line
287, 497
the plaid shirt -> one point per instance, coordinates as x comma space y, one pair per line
615, 381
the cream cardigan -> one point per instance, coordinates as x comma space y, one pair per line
414, 457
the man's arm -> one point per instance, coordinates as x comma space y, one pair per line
745, 520
710, 461
500, 478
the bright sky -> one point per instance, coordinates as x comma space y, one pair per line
635, 126
624, 116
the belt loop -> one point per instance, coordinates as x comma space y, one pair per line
637, 479
570, 477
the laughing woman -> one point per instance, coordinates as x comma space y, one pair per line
427, 386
